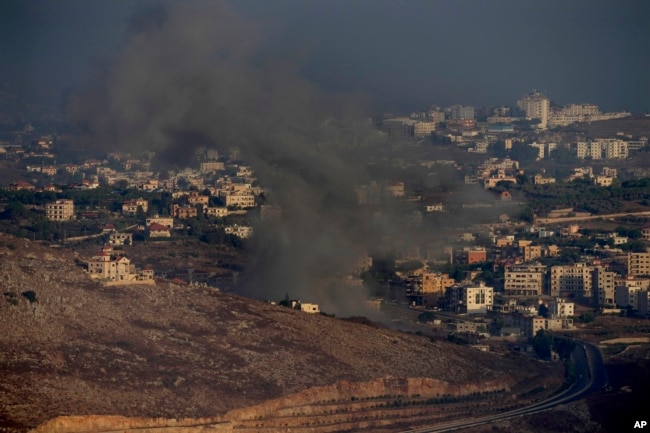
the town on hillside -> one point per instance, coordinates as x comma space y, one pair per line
504, 221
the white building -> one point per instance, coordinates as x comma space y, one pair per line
536, 106
239, 231
560, 309
470, 299
309, 308
627, 296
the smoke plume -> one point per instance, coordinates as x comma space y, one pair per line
195, 74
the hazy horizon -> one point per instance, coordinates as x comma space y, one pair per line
402, 56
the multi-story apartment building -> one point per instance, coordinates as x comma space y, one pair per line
531, 252
536, 106
208, 166
60, 210
638, 264
399, 127
528, 280
470, 299
461, 112
603, 286
573, 280
241, 199
589, 149
183, 212
608, 148
239, 195
423, 129
436, 282
195, 198
628, 296
369, 194
436, 115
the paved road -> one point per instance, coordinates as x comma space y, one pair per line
590, 217
592, 377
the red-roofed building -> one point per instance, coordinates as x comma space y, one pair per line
20, 185
158, 231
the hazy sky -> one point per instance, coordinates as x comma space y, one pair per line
404, 54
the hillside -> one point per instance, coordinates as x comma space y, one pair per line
70, 346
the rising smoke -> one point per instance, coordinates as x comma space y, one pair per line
193, 74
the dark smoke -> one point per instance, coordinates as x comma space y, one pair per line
193, 75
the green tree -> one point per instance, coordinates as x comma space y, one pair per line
564, 347
524, 153
542, 343
587, 317
426, 317
542, 310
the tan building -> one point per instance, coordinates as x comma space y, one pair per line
433, 288
395, 189
209, 166
107, 265
194, 198
242, 232
638, 264
184, 212
309, 308
164, 221
156, 230
527, 280
531, 252
603, 286
241, 199
120, 238
130, 207
436, 282
112, 268
60, 210
216, 211
422, 129
574, 280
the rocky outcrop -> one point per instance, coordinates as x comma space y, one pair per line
345, 391
343, 406
104, 423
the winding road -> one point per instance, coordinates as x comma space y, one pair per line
592, 377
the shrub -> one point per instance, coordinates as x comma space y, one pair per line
30, 295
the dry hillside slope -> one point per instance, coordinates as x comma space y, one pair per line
75, 347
